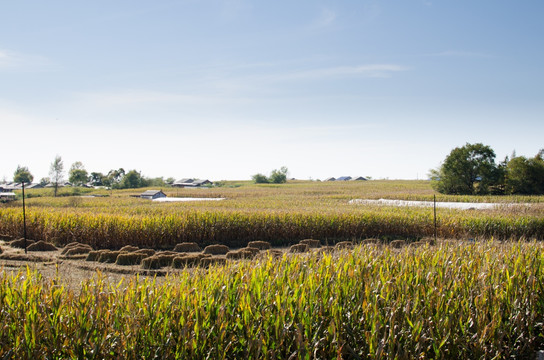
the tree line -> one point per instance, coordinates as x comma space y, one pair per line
472, 170
79, 176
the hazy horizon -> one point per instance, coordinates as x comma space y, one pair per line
227, 89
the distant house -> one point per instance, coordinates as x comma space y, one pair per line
330, 179
359, 178
7, 196
191, 183
152, 194
344, 178
202, 182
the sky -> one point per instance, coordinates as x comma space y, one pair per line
226, 89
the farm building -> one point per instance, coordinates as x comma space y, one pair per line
359, 178
152, 194
191, 183
330, 179
344, 178
7, 196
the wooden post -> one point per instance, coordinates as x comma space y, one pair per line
24, 217
435, 231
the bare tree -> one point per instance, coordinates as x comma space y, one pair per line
56, 172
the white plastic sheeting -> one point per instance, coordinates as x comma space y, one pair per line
449, 205
167, 199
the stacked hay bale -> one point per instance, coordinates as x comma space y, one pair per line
397, 244
20, 243
129, 248
245, 253
299, 248
188, 260
313, 244
41, 246
261, 245
209, 261
344, 245
187, 247
76, 248
272, 253
108, 256
216, 249
129, 258
148, 252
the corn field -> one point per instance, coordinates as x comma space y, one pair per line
453, 301
280, 214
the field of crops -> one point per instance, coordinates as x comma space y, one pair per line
452, 301
282, 214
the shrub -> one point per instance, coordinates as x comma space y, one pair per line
311, 243
187, 247
261, 245
130, 258
42, 246
216, 249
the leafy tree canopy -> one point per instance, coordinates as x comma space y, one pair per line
22, 174
78, 174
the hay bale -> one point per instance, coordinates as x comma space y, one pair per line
166, 259
42, 246
129, 248
5, 237
93, 255
245, 253
20, 243
417, 244
189, 260
344, 245
187, 247
397, 244
252, 250
74, 245
151, 263
261, 245
209, 261
148, 252
216, 249
129, 258
311, 243
77, 250
325, 250
428, 240
108, 256
370, 241
299, 248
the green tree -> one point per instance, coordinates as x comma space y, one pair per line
260, 179
132, 180
115, 177
56, 173
22, 174
525, 176
97, 179
467, 170
279, 176
77, 174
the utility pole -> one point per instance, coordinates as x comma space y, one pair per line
24, 217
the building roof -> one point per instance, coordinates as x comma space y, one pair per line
344, 178
151, 192
330, 179
184, 181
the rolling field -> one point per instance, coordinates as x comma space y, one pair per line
457, 299
281, 214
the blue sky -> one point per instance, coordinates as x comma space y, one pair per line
227, 89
